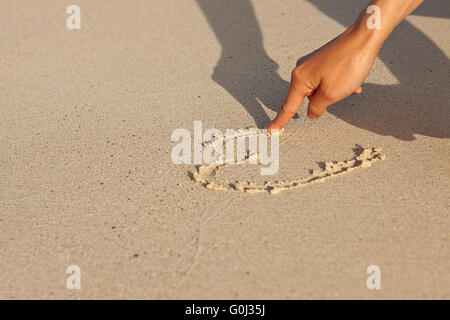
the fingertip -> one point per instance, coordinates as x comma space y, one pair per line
273, 126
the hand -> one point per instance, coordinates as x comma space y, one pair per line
328, 75
338, 69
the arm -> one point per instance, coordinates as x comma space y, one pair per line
338, 69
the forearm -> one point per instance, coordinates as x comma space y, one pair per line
412, 6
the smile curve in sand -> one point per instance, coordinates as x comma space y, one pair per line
207, 175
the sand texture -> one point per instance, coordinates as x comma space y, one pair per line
87, 179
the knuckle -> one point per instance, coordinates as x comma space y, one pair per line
300, 61
330, 95
297, 73
288, 111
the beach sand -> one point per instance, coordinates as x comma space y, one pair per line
86, 176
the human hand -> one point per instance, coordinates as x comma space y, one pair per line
338, 69
328, 75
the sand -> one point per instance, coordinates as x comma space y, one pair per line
86, 176
206, 174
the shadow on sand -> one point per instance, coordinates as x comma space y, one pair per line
247, 72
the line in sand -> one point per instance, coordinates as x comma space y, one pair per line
207, 174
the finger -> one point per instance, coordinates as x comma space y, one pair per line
292, 103
358, 91
317, 105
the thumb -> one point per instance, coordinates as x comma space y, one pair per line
318, 105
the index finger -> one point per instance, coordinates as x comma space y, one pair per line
292, 103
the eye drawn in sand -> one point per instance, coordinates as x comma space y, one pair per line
207, 174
